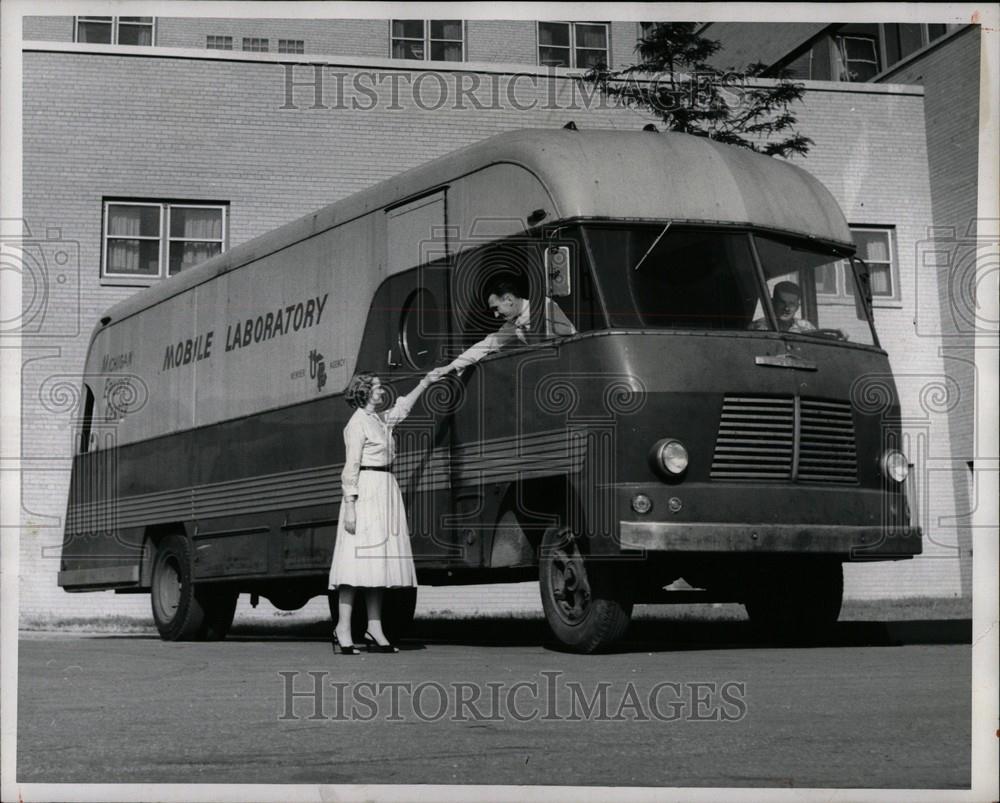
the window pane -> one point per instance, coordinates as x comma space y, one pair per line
446, 51
826, 277
873, 246
891, 43
408, 29
193, 223
139, 257
96, 32
133, 221
553, 56
183, 255
135, 35
936, 31
591, 36
881, 280
136, 19
553, 33
910, 39
796, 264
446, 29
591, 58
424, 324
403, 49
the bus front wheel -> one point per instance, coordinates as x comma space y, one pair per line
585, 601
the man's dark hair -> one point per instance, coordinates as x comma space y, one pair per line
500, 287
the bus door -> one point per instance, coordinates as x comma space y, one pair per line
419, 302
500, 435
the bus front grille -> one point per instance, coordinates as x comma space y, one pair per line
785, 438
827, 450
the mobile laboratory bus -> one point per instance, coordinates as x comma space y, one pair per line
682, 432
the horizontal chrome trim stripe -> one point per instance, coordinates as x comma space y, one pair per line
501, 459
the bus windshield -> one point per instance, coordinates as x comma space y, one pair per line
675, 277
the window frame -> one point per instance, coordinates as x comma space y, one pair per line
113, 22
226, 37
266, 40
427, 40
283, 46
163, 238
573, 47
841, 296
878, 49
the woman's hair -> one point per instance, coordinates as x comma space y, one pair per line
359, 391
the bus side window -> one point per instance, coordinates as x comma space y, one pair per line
88, 419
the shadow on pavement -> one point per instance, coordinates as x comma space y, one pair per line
642, 636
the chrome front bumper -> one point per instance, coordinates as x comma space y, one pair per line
855, 543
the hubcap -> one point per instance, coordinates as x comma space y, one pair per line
168, 589
568, 580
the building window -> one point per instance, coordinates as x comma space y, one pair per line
572, 44
115, 30
291, 46
153, 240
875, 247
857, 56
433, 40
255, 44
219, 42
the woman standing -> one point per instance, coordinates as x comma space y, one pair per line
373, 542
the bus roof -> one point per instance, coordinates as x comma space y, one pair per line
637, 175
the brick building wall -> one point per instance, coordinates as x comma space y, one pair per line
949, 73
488, 41
204, 128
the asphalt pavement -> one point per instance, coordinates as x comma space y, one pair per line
696, 705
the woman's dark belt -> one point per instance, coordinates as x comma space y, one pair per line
377, 468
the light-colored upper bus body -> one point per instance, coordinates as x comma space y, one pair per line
244, 331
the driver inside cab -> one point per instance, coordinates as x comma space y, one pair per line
786, 298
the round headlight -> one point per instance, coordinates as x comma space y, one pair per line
673, 457
895, 465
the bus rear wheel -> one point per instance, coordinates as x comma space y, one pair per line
177, 612
585, 601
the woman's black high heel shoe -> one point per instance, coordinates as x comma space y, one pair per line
345, 649
374, 646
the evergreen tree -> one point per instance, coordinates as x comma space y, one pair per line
674, 82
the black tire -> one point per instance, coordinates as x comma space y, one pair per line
586, 602
177, 611
219, 607
796, 601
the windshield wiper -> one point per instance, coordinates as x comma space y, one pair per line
650, 250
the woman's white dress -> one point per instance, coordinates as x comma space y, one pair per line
378, 553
